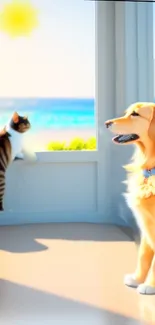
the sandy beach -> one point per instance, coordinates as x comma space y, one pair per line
38, 141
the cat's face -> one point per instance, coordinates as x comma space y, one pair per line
19, 123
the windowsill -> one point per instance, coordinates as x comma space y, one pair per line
62, 157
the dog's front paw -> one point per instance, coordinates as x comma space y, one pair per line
145, 289
130, 281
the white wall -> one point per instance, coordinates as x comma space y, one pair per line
58, 187
124, 61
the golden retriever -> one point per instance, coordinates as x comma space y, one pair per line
137, 127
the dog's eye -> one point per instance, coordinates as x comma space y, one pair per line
134, 114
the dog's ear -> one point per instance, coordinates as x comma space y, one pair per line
151, 131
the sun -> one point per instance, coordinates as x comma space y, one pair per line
18, 18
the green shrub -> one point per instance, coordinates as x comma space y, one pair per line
90, 144
75, 144
56, 146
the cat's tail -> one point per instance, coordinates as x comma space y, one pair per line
2, 188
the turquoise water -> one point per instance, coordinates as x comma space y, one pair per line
51, 113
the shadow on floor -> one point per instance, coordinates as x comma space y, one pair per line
21, 305
22, 238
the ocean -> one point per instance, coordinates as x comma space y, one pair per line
49, 113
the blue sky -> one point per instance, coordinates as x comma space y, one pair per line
58, 60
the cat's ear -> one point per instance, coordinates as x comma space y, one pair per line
25, 117
15, 117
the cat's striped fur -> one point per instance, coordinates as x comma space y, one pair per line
10, 146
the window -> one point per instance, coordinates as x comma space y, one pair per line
50, 75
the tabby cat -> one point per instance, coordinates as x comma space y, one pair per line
11, 146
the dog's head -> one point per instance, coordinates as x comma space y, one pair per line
136, 126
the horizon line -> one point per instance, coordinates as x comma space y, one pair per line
54, 98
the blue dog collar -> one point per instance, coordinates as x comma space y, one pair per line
148, 172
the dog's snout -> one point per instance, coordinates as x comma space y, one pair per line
108, 124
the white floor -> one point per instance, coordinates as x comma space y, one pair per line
69, 274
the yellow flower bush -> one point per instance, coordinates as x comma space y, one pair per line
18, 18
75, 144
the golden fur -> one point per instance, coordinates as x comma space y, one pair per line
140, 191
